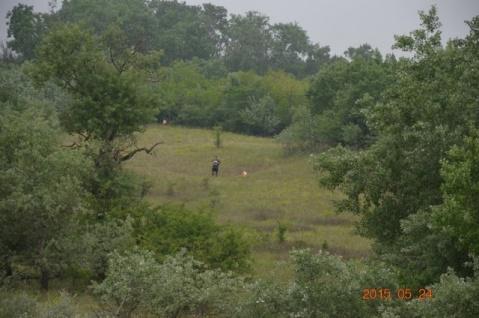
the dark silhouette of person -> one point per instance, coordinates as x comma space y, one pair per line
215, 166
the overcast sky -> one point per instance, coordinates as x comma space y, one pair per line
337, 23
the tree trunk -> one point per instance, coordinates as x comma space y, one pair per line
44, 278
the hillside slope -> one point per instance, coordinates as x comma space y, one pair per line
276, 189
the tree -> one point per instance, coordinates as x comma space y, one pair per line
427, 111
187, 96
110, 103
364, 51
26, 29
260, 118
41, 193
240, 88
290, 45
133, 17
340, 96
317, 57
287, 92
185, 32
249, 43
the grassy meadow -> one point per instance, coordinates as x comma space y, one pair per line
278, 189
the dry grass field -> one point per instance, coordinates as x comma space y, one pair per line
277, 190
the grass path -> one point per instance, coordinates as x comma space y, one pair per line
277, 189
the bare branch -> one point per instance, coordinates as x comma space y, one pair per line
73, 145
85, 136
134, 152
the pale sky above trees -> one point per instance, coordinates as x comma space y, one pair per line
337, 23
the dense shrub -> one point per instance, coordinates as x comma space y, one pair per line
168, 229
453, 296
323, 286
179, 287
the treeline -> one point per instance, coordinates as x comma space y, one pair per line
181, 32
239, 71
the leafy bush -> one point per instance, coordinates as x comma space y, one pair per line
266, 300
179, 287
260, 117
127, 286
323, 286
41, 191
168, 229
101, 239
327, 286
303, 134
453, 296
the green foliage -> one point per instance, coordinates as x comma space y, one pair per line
323, 286
109, 104
341, 93
340, 96
303, 135
424, 41
17, 91
103, 97
218, 142
260, 105
290, 43
259, 117
449, 231
288, 94
133, 17
403, 185
186, 31
265, 299
282, 228
178, 287
452, 296
250, 39
323, 281
26, 28
168, 229
41, 191
96, 241
240, 88
128, 278
458, 215
188, 96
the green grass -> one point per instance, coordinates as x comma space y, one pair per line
277, 189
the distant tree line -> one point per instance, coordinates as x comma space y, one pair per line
182, 32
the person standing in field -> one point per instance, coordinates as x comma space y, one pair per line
215, 167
